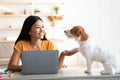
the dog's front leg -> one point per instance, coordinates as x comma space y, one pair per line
89, 64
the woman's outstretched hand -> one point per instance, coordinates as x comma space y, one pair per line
66, 53
70, 52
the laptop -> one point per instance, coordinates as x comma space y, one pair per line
40, 62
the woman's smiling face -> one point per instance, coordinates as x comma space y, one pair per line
37, 30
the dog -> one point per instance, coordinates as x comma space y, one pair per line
93, 52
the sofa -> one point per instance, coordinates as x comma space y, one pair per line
6, 50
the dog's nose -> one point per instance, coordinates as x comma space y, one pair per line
65, 31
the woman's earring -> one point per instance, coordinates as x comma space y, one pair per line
29, 33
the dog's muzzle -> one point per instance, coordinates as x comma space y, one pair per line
67, 33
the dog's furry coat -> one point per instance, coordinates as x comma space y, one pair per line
93, 52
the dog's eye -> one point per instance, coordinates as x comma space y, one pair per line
71, 31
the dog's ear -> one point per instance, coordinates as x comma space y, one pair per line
84, 35
76, 31
79, 31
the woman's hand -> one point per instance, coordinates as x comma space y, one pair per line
70, 52
66, 53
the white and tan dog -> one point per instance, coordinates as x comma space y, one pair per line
92, 52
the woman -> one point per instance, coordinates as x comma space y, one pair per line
32, 37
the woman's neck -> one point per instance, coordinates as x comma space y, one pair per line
36, 44
35, 41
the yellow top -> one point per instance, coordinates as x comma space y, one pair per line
25, 45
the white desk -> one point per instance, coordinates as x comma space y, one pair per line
71, 73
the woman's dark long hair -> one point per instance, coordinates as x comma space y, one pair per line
29, 21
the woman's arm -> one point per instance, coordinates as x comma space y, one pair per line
13, 63
61, 60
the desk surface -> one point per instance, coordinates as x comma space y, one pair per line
69, 73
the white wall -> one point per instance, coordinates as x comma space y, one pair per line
101, 19
109, 23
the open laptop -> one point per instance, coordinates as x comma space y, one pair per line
40, 62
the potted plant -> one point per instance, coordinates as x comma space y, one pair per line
36, 11
56, 8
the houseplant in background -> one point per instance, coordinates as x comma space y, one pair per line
56, 8
36, 11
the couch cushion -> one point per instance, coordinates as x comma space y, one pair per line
6, 49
